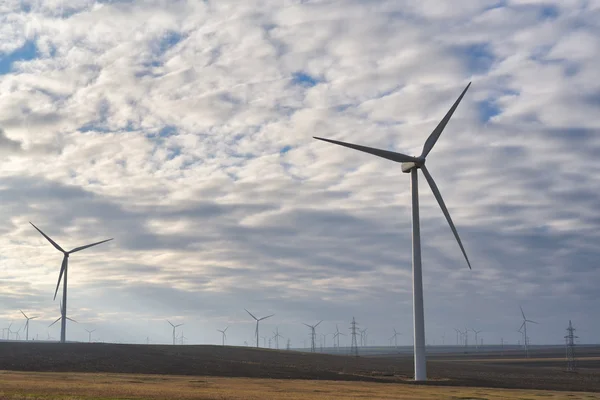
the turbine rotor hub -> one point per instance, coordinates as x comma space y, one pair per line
409, 166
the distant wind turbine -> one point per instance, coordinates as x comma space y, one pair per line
63, 273
524, 327
223, 334
90, 335
63, 318
276, 336
395, 337
410, 165
257, 321
313, 336
174, 326
336, 337
27, 324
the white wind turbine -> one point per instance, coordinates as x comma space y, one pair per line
524, 327
410, 165
174, 326
63, 273
257, 321
27, 324
224, 335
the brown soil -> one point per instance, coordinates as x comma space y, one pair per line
482, 370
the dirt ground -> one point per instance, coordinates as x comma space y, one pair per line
542, 371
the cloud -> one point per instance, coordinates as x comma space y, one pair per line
185, 132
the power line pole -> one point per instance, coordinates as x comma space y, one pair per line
570, 342
354, 345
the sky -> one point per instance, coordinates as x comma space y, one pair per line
183, 130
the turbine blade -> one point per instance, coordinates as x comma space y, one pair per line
177, 325
251, 314
48, 238
440, 201
87, 246
226, 329
268, 316
390, 155
62, 270
522, 313
170, 323
72, 320
23, 314
318, 323
31, 318
430, 142
307, 325
58, 319
533, 322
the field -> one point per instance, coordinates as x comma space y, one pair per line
36, 385
210, 372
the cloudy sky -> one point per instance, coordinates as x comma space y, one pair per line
183, 129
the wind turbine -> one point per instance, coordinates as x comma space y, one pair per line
476, 341
524, 327
63, 273
313, 336
395, 337
336, 336
276, 337
257, 321
411, 165
174, 326
363, 337
27, 324
90, 335
223, 334
63, 318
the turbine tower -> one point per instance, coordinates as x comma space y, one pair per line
411, 165
224, 336
174, 326
313, 336
63, 275
27, 324
90, 335
257, 321
524, 327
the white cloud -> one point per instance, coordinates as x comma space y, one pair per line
184, 131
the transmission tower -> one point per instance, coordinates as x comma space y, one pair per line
570, 342
288, 345
354, 345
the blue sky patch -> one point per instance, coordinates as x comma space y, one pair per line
479, 57
285, 149
304, 79
487, 110
26, 52
549, 12
167, 131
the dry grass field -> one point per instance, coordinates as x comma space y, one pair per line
71, 386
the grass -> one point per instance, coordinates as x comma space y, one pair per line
72, 386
